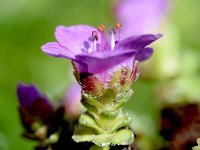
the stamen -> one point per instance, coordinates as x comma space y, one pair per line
103, 40
95, 39
112, 32
118, 26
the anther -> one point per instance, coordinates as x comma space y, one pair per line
95, 36
118, 25
101, 28
112, 32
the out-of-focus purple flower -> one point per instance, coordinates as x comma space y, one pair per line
34, 107
140, 16
93, 54
72, 101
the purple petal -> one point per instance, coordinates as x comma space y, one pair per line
76, 38
101, 61
144, 54
56, 50
137, 42
140, 16
27, 94
34, 103
72, 99
73, 94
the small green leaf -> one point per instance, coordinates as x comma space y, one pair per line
83, 134
123, 137
88, 121
103, 140
119, 123
89, 107
110, 114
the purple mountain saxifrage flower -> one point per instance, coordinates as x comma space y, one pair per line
44, 122
105, 69
93, 55
140, 16
35, 109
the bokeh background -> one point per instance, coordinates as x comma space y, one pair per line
170, 77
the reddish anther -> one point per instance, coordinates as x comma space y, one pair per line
95, 35
101, 28
118, 25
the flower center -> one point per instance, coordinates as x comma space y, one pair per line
114, 32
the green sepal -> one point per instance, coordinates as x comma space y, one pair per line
93, 105
108, 97
117, 79
123, 98
93, 102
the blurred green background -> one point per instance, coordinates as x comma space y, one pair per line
25, 25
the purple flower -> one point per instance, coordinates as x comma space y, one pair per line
34, 107
92, 53
140, 16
